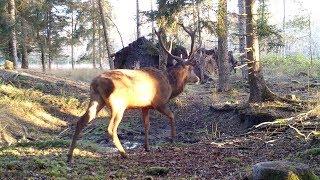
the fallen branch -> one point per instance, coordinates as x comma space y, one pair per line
301, 120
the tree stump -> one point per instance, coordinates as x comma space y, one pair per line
282, 170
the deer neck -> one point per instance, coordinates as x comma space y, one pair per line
177, 82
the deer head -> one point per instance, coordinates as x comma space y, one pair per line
190, 59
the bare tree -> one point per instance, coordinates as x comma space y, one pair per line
222, 31
242, 38
105, 33
138, 19
49, 22
13, 36
152, 21
100, 45
72, 40
93, 34
24, 49
284, 27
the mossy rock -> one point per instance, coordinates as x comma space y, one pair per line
283, 170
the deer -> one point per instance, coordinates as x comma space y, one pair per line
145, 89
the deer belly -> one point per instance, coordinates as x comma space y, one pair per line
142, 94
139, 101
132, 99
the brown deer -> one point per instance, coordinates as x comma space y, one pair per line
148, 88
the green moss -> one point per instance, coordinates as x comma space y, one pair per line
232, 159
313, 151
309, 176
158, 171
174, 144
288, 171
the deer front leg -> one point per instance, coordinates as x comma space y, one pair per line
146, 120
94, 107
115, 120
167, 112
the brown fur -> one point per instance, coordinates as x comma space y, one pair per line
128, 89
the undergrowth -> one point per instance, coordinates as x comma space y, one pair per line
291, 65
31, 114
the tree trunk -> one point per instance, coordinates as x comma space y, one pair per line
93, 34
284, 28
24, 49
258, 89
223, 62
43, 57
13, 36
138, 19
72, 58
152, 22
163, 57
41, 43
100, 46
49, 29
242, 38
198, 23
106, 37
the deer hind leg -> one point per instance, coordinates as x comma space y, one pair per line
167, 112
145, 115
95, 105
115, 120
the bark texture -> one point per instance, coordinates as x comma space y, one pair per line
223, 64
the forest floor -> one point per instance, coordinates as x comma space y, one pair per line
211, 143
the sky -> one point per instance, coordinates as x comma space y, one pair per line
125, 18
125, 13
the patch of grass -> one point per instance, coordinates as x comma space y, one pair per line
50, 167
232, 159
45, 87
157, 171
33, 114
45, 144
129, 123
174, 144
119, 174
9, 161
77, 74
29, 162
89, 146
291, 65
312, 152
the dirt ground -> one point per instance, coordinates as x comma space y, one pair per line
210, 143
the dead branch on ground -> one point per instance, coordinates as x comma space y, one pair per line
305, 124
